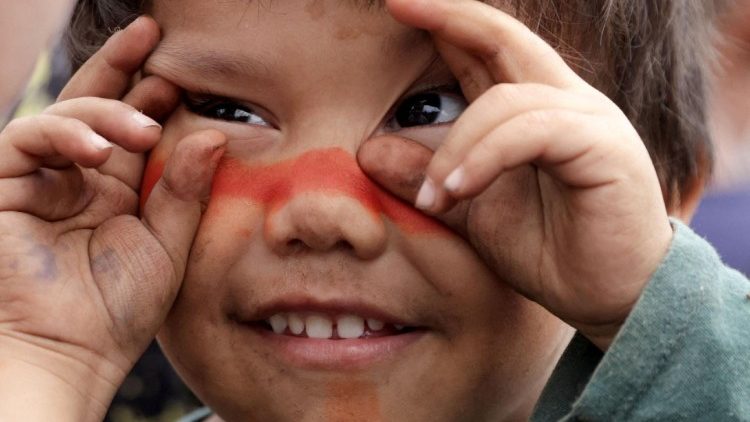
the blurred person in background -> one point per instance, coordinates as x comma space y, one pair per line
724, 214
40, 22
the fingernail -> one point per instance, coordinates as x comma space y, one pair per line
145, 121
426, 195
455, 180
98, 142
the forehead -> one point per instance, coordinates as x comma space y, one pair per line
292, 19
276, 36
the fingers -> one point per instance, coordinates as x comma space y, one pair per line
154, 96
512, 52
498, 105
564, 143
470, 72
116, 121
108, 73
47, 194
398, 165
25, 144
123, 125
395, 163
173, 210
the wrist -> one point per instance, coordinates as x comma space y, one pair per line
603, 333
31, 393
601, 336
40, 385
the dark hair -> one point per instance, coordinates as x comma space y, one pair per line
650, 57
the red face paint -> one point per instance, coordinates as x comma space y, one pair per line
331, 170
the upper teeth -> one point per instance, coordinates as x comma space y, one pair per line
321, 326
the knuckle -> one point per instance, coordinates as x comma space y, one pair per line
551, 120
503, 93
487, 149
519, 93
15, 126
536, 119
69, 125
470, 81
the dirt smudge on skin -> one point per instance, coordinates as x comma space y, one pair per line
344, 33
47, 270
105, 262
352, 400
316, 9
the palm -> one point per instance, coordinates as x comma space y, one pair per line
63, 279
549, 245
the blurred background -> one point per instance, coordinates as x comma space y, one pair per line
153, 392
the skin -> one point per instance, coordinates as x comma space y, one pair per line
557, 203
322, 170
415, 272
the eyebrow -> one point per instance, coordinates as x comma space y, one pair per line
369, 4
176, 60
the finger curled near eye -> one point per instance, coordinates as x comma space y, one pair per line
510, 50
108, 72
27, 144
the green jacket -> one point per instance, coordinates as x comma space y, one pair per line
683, 353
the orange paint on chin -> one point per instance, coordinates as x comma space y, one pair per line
352, 400
331, 170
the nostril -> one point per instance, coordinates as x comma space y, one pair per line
343, 245
295, 245
321, 222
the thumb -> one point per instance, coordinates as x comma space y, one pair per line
398, 165
173, 210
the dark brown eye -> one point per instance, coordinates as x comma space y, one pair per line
427, 108
224, 109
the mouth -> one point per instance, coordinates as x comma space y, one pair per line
321, 326
330, 336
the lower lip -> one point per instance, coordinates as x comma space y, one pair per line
323, 354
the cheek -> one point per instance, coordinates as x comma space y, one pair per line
271, 187
333, 171
227, 232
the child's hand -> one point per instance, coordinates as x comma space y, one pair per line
84, 283
550, 181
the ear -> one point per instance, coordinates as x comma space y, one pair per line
686, 203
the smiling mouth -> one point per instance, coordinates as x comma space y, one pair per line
316, 325
328, 335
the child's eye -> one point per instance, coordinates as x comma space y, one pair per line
426, 108
223, 109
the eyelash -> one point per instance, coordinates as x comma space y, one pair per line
452, 92
222, 108
210, 106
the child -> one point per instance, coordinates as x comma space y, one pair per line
309, 292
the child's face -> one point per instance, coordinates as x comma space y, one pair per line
295, 230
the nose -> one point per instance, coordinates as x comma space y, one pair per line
328, 204
325, 221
